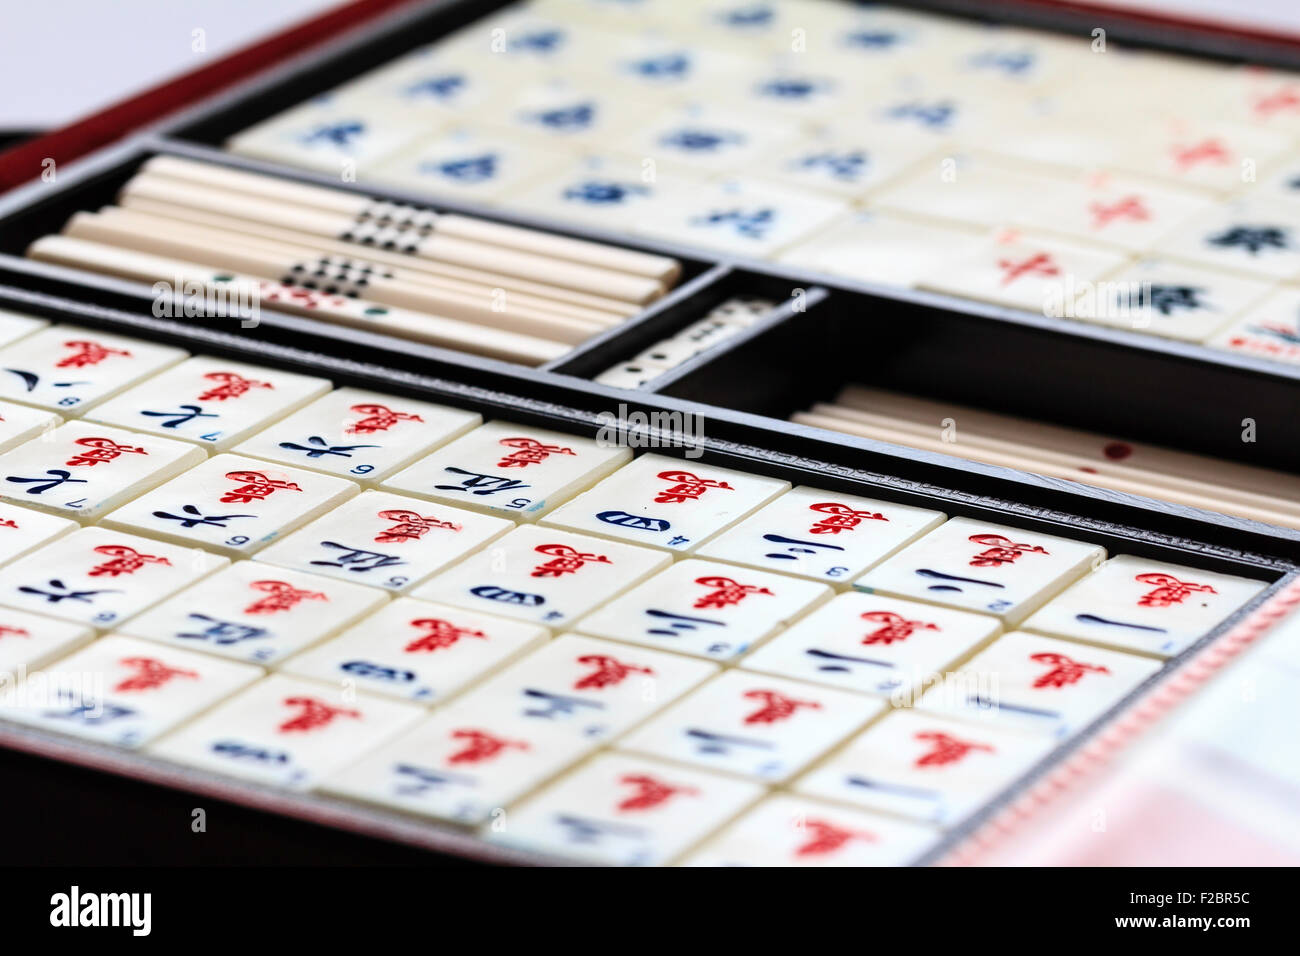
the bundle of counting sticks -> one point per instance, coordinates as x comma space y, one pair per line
502, 291
1199, 482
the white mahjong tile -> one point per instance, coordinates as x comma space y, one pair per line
944, 114
794, 86
513, 470
83, 469
979, 566
841, 163
867, 37
593, 689
464, 764
1262, 97
707, 139
925, 767
101, 576
21, 423
744, 25
883, 247
210, 400
123, 691
417, 650
1211, 154
518, 39
1270, 330
1256, 236
22, 530
1040, 683
755, 725
875, 644
565, 112
287, 732
1172, 299
664, 503
255, 612
14, 326
69, 369
542, 575
1143, 605
468, 163
426, 82
789, 831
357, 434
654, 63
741, 216
1025, 271
232, 504
384, 540
624, 810
1062, 137
30, 641
825, 535
705, 608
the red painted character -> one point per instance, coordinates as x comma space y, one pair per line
438, 634
650, 792
842, 518
7, 523
101, 449
946, 749
280, 596
86, 353
609, 672
1000, 550
565, 560
776, 706
377, 418
1039, 264
481, 746
410, 526
686, 487
1168, 589
894, 627
727, 592
1130, 208
313, 714
150, 673
530, 452
1064, 670
824, 838
232, 386
125, 560
254, 486
8, 630
1270, 103
1206, 151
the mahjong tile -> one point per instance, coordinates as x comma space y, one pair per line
418, 651
255, 612
926, 767
744, 217
23, 530
1039, 683
542, 575
211, 400
123, 691
754, 725
883, 247
943, 114
707, 139
1144, 605
653, 62
790, 831
102, 577
1062, 137
83, 469
518, 39
14, 326
565, 112
428, 81
705, 608
464, 764
1172, 299
384, 540
1270, 330
287, 732
1215, 155
821, 534
661, 502
874, 644
865, 37
794, 86
30, 641
232, 504
624, 810
70, 369
1253, 236
1024, 271
468, 163
514, 470
592, 689
978, 566
841, 163
361, 435
21, 423
1262, 97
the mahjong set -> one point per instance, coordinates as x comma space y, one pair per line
540, 596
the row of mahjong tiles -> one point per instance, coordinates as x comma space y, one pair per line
946, 156
623, 706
